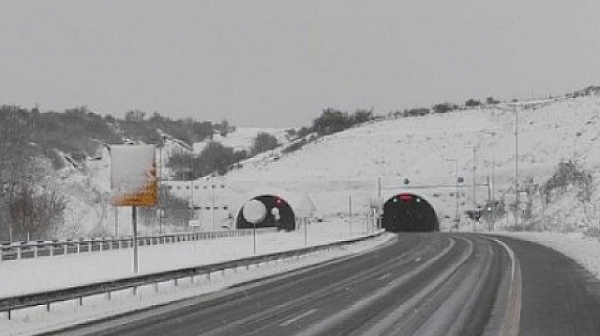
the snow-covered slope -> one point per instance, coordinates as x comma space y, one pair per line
422, 150
340, 172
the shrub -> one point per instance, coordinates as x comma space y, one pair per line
294, 146
491, 101
442, 108
361, 116
331, 121
472, 103
263, 142
34, 215
416, 112
569, 174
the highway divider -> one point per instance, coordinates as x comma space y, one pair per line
10, 304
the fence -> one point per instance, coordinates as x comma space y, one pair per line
79, 293
28, 250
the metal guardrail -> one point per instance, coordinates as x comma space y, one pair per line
78, 293
35, 249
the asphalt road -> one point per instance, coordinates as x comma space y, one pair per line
559, 297
420, 284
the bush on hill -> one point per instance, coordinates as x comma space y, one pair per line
213, 159
263, 142
416, 112
333, 121
442, 108
472, 103
568, 173
295, 146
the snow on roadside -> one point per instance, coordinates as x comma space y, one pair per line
48, 273
36, 320
583, 249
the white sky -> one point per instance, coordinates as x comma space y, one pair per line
280, 62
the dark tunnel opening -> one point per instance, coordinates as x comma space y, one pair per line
279, 214
409, 213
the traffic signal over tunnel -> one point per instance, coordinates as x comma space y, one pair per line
408, 212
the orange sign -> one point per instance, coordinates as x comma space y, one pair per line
133, 176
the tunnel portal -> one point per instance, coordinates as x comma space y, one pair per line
409, 213
279, 214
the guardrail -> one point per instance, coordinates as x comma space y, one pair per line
35, 249
11, 304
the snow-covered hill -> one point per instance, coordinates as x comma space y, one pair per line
423, 150
344, 170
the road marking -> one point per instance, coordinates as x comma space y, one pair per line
298, 318
385, 276
512, 315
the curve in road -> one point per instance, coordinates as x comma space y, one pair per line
421, 284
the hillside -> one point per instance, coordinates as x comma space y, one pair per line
417, 154
54, 167
422, 150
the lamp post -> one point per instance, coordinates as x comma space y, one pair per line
213, 186
192, 209
516, 111
456, 218
517, 210
474, 182
491, 191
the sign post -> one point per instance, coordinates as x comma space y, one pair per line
135, 240
133, 183
254, 212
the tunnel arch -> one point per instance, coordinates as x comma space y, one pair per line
407, 212
279, 214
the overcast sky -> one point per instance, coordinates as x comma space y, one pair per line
280, 62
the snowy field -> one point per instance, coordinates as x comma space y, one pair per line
28, 276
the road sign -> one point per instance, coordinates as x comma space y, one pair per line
254, 211
133, 176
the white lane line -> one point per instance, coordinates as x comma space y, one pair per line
385, 276
298, 318
512, 315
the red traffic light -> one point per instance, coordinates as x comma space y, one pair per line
405, 197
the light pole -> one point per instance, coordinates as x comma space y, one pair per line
516, 111
517, 210
192, 210
213, 186
491, 191
456, 218
474, 183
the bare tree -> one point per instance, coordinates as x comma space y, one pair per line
26, 208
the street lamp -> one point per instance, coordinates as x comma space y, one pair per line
491, 193
457, 181
474, 181
516, 111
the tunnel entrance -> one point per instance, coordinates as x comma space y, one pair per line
409, 213
279, 214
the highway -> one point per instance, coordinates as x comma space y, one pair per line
418, 284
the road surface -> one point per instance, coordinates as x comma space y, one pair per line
418, 284
559, 297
